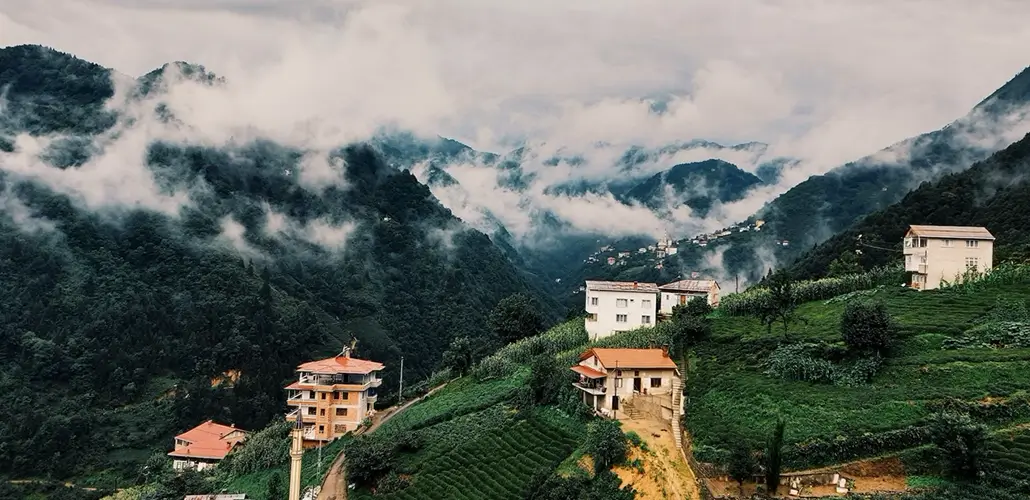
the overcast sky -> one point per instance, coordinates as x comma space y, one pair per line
826, 81
817, 78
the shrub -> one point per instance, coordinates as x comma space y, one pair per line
961, 441
797, 362
369, 457
867, 326
266, 449
606, 444
516, 317
742, 464
696, 307
390, 483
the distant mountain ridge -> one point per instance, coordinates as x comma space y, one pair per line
698, 185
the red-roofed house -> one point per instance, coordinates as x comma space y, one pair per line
203, 446
333, 396
610, 378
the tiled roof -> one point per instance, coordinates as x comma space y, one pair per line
956, 232
689, 286
588, 372
622, 286
340, 364
630, 358
206, 440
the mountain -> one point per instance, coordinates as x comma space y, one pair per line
122, 324
994, 193
826, 204
698, 185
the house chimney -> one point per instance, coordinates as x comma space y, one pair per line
635, 284
665, 351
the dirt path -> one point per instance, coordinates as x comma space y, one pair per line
665, 473
334, 486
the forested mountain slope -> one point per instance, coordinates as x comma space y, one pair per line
826, 204
120, 326
994, 193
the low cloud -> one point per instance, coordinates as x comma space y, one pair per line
823, 83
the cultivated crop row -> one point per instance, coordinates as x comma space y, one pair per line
754, 300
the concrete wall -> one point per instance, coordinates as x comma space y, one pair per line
946, 259
603, 309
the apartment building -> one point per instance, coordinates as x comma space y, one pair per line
937, 254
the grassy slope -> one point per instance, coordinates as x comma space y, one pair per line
730, 394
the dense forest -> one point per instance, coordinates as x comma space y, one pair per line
698, 185
994, 193
121, 327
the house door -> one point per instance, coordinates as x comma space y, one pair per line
683, 300
615, 403
636, 384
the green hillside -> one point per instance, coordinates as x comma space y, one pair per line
964, 348
117, 320
994, 193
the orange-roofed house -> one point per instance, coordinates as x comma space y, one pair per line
611, 379
203, 446
333, 396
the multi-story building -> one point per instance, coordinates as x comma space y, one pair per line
936, 254
203, 446
618, 306
333, 396
681, 292
611, 378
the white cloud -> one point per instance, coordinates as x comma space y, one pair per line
826, 82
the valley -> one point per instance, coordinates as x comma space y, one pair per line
425, 314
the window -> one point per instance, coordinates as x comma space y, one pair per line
946, 243
636, 373
620, 318
621, 303
311, 410
341, 412
908, 260
345, 395
618, 382
656, 382
321, 412
972, 243
972, 262
618, 373
593, 301
323, 395
646, 303
321, 429
592, 317
645, 319
918, 278
922, 242
336, 395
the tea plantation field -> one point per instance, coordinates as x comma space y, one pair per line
730, 394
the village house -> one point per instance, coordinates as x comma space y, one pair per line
681, 292
937, 254
610, 379
618, 306
333, 396
203, 446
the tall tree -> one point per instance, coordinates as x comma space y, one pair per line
516, 317
774, 458
742, 466
783, 302
844, 265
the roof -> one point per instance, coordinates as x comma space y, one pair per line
630, 358
588, 372
207, 440
689, 286
956, 232
622, 286
340, 364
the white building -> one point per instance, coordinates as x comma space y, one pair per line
609, 378
681, 292
936, 254
618, 306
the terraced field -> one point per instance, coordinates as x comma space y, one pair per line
461, 397
498, 465
1009, 458
730, 395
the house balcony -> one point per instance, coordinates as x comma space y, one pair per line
341, 382
292, 416
915, 262
597, 389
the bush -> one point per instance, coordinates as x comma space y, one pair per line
961, 441
369, 457
867, 326
390, 483
798, 362
266, 449
696, 307
606, 444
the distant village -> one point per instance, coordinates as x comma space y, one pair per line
666, 247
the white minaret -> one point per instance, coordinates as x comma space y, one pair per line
296, 455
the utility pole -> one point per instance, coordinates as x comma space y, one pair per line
736, 283
615, 413
400, 390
